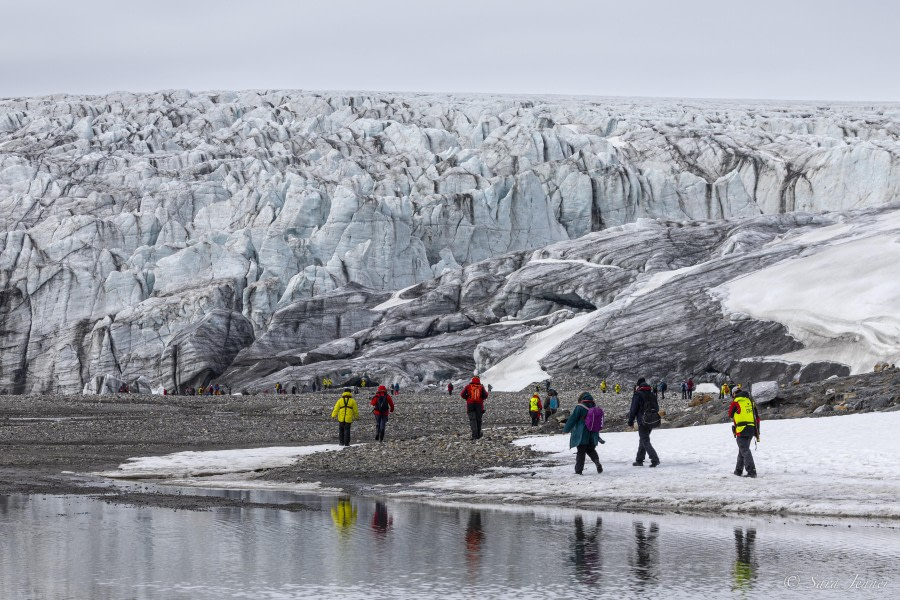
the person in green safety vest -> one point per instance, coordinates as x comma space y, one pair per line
745, 426
535, 407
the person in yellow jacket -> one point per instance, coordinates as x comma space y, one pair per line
535, 407
345, 411
603, 387
618, 388
725, 392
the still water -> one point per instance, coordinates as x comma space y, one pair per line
341, 547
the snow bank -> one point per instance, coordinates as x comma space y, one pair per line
522, 368
214, 462
834, 466
839, 299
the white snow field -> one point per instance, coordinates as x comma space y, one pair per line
212, 462
842, 466
840, 296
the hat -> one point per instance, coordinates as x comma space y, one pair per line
476, 379
347, 391
381, 388
585, 396
641, 382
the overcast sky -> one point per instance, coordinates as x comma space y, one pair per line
785, 49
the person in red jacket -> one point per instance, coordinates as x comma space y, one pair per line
384, 405
474, 395
450, 389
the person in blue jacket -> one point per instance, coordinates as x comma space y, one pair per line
581, 437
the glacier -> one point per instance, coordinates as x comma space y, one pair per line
173, 238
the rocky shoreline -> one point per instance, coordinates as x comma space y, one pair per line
52, 443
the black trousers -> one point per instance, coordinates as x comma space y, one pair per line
644, 445
380, 425
585, 449
344, 433
535, 417
475, 412
744, 457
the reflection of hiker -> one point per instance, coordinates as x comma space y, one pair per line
534, 408
744, 571
645, 560
344, 515
645, 410
745, 427
381, 519
583, 432
345, 411
552, 404
586, 551
474, 541
384, 405
475, 395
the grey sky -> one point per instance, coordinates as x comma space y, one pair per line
793, 49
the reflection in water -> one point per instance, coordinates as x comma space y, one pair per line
474, 541
586, 551
744, 571
645, 561
58, 548
381, 519
344, 516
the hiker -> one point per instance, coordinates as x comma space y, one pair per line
684, 390
490, 388
450, 389
735, 390
362, 382
581, 436
618, 388
725, 391
277, 388
663, 386
384, 405
475, 395
745, 419
603, 387
345, 411
552, 404
535, 407
644, 409
690, 387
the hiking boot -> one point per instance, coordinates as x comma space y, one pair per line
654, 464
751, 474
637, 464
578, 472
599, 468
738, 472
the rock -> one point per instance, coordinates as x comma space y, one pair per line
825, 408
764, 392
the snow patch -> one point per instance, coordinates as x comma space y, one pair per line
855, 477
395, 299
213, 462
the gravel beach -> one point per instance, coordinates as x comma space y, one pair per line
51, 444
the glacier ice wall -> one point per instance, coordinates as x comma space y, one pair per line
128, 219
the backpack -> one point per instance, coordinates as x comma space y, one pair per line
381, 405
593, 420
650, 415
475, 393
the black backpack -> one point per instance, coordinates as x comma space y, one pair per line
382, 405
650, 410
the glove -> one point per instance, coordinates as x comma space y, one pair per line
602, 441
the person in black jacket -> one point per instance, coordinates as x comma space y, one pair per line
643, 399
